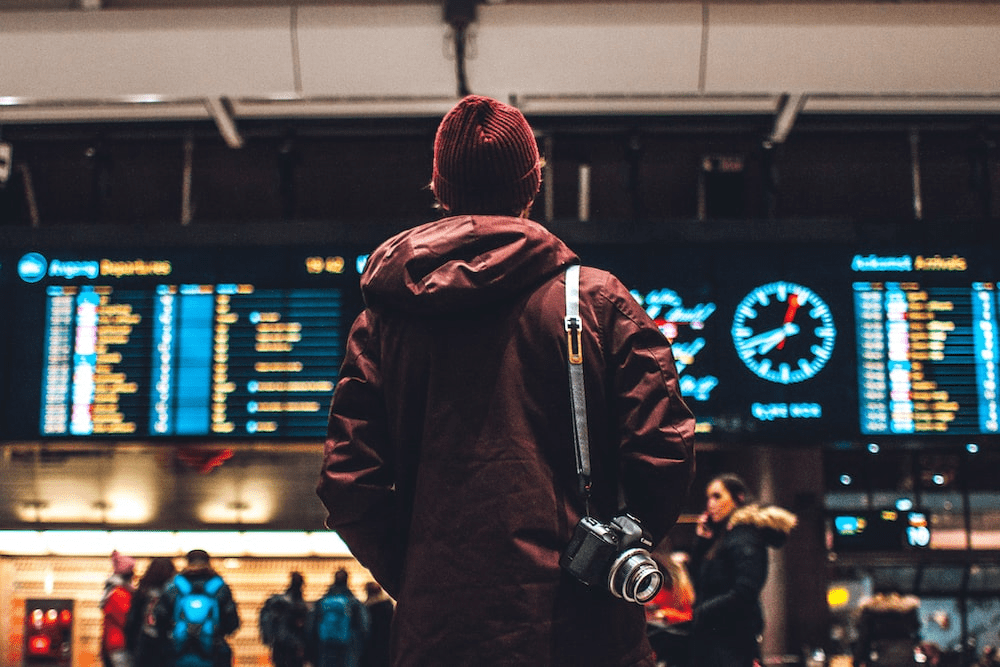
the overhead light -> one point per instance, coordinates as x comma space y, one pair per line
902, 104
680, 104
221, 544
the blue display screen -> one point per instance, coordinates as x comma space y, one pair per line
132, 349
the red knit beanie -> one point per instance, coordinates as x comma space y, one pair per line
485, 159
121, 563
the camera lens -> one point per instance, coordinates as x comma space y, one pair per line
635, 577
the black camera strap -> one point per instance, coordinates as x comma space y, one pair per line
577, 396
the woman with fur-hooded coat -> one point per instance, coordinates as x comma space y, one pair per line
729, 565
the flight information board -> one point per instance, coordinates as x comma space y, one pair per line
128, 352
189, 360
773, 342
927, 357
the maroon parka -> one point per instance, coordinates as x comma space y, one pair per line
450, 469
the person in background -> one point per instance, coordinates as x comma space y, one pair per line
380, 610
338, 626
989, 657
115, 603
450, 459
669, 613
146, 646
283, 624
888, 630
198, 592
729, 565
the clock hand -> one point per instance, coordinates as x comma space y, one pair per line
786, 330
767, 340
793, 305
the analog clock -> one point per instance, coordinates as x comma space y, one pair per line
783, 332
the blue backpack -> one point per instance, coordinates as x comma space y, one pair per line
196, 620
334, 626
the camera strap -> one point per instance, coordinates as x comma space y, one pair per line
577, 396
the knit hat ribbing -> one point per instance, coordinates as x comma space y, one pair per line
121, 563
485, 158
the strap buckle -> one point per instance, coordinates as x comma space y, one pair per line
574, 340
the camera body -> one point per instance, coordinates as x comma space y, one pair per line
613, 556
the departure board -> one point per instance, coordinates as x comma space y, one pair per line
123, 351
189, 360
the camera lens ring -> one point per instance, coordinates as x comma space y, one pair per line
640, 578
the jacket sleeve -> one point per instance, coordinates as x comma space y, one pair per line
655, 426
356, 482
363, 620
229, 616
117, 606
745, 554
163, 612
134, 619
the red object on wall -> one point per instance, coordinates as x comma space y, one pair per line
48, 633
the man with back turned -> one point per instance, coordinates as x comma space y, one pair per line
450, 466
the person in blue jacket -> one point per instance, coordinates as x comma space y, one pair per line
196, 613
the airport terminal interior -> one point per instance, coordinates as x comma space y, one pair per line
206, 179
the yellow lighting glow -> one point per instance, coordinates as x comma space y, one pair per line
837, 597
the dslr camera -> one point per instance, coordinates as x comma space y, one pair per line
613, 556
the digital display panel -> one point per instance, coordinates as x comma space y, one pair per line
773, 342
762, 338
884, 530
784, 341
127, 348
928, 359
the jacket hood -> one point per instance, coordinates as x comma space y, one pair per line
774, 522
339, 589
196, 572
461, 263
891, 603
111, 583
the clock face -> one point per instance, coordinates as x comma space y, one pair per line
783, 332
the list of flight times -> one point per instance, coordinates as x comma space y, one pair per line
189, 360
927, 358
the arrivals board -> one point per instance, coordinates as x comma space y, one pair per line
927, 353
784, 342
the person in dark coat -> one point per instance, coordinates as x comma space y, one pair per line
145, 644
288, 647
199, 573
729, 565
888, 630
380, 610
450, 464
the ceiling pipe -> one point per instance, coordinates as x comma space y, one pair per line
220, 109
460, 14
788, 112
